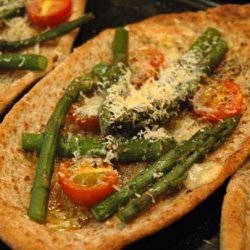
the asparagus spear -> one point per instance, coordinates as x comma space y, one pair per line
126, 150
40, 191
163, 166
102, 71
41, 186
178, 81
120, 46
120, 55
24, 62
48, 34
137, 205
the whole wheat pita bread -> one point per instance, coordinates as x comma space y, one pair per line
14, 83
30, 114
235, 219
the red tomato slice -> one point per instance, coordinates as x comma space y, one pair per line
85, 123
84, 116
86, 183
217, 101
145, 63
49, 13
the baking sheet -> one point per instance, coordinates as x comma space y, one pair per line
199, 230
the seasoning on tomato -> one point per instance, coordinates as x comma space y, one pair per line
84, 116
88, 182
49, 13
218, 100
145, 63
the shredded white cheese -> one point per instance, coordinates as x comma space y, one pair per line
111, 146
155, 133
17, 28
125, 101
158, 175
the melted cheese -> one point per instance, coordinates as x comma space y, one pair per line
90, 107
184, 126
202, 173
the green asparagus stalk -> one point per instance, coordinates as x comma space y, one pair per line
126, 150
137, 205
67, 145
25, 62
40, 192
102, 70
48, 34
120, 58
204, 55
161, 167
120, 46
41, 186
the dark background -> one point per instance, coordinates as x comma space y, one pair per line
111, 13
199, 230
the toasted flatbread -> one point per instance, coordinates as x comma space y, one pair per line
13, 83
234, 232
173, 34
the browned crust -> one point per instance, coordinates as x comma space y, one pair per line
64, 45
32, 112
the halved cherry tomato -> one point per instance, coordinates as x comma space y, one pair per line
218, 100
145, 63
49, 13
87, 183
84, 116
86, 123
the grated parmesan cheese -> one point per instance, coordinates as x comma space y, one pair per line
37, 48
129, 104
17, 28
137, 195
158, 175
111, 146
155, 133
